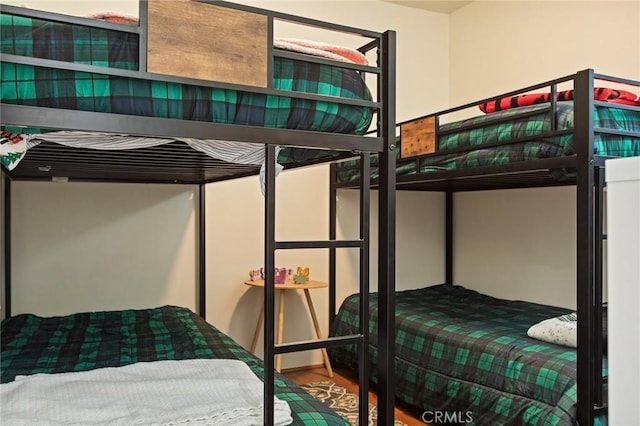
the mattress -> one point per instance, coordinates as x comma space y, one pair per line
85, 91
86, 341
523, 131
461, 351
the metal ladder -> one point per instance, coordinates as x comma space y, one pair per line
362, 244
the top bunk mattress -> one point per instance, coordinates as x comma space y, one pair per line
524, 134
31, 85
228, 88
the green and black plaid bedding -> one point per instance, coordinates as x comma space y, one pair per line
606, 145
461, 351
38, 86
85, 341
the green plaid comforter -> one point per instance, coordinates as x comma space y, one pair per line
38, 86
85, 341
459, 350
523, 127
605, 117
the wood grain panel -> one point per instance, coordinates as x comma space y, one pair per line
418, 137
205, 41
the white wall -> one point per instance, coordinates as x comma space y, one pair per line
94, 246
498, 46
521, 244
518, 244
59, 270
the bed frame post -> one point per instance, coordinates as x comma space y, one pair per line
365, 230
202, 258
387, 233
599, 178
269, 282
6, 259
143, 19
584, 142
448, 242
333, 193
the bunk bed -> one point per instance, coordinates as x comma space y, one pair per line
455, 352
192, 92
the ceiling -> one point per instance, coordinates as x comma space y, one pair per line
433, 6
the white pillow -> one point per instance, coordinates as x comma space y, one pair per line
562, 330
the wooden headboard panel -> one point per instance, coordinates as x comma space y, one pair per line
209, 42
418, 137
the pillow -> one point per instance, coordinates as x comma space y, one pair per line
113, 17
316, 48
599, 94
563, 330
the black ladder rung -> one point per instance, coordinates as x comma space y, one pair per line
308, 345
319, 244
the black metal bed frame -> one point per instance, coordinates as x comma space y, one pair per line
202, 170
589, 182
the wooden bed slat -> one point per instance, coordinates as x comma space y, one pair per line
209, 42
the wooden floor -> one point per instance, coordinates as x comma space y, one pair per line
349, 380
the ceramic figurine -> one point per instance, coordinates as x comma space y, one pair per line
280, 275
255, 274
301, 276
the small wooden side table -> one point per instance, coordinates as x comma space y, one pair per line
281, 288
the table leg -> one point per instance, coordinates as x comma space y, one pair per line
280, 327
314, 318
258, 327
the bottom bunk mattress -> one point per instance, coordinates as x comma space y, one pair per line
88, 341
459, 351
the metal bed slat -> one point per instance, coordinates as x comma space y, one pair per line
126, 161
126, 156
